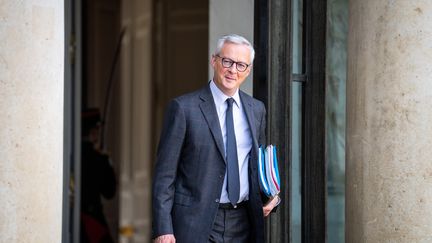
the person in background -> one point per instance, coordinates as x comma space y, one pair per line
97, 180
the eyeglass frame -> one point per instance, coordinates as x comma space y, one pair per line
232, 63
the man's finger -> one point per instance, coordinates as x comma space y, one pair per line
165, 239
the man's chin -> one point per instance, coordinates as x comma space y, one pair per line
230, 84
231, 88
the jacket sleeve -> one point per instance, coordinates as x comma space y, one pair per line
262, 140
168, 156
262, 131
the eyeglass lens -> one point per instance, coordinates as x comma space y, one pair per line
227, 63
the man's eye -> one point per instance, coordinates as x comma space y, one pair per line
227, 62
241, 66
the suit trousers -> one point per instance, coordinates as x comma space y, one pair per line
231, 226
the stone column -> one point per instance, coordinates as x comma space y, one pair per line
31, 120
389, 122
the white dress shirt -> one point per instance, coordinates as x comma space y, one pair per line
243, 139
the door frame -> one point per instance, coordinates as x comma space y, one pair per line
72, 123
272, 69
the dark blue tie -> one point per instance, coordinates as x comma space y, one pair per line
233, 181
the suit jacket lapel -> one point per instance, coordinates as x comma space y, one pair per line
209, 111
247, 106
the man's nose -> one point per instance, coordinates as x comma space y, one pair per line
233, 68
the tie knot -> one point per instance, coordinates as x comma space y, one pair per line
230, 102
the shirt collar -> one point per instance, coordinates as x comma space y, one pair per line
220, 97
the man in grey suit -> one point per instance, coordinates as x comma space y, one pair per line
205, 186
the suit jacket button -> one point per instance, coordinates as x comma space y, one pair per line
217, 200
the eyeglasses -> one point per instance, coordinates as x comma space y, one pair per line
227, 63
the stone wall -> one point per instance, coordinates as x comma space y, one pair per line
389, 116
31, 120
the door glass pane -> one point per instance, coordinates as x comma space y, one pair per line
297, 35
296, 133
296, 98
337, 26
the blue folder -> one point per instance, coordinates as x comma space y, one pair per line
268, 170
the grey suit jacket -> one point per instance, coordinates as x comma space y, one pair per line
190, 168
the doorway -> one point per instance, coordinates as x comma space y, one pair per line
130, 57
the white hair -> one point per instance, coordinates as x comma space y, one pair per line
235, 39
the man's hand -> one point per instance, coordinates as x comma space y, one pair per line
273, 202
165, 239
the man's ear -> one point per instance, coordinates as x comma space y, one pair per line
213, 61
248, 70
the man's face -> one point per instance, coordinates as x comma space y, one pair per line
229, 79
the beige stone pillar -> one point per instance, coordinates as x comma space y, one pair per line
31, 120
389, 122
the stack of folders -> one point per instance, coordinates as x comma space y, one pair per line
268, 171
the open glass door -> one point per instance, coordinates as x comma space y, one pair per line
296, 121
336, 64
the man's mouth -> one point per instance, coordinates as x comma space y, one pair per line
230, 78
